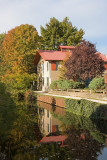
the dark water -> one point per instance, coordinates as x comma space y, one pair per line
39, 131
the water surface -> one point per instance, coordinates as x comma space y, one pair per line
39, 131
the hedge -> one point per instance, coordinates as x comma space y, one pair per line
66, 84
87, 108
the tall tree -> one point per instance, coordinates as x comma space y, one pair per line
84, 63
2, 35
19, 47
58, 33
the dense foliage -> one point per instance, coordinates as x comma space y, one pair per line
1, 47
17, 66
87, 108
17, 125
66, 84
97, 83
58, 33
20, 45
84, 63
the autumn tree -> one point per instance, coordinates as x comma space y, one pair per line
20, 45
58, 33
84, 62
2, 35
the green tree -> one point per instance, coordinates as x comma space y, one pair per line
56, 33
97, 83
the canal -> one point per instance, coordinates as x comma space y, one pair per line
40, 131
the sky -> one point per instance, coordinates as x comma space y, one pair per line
90, 15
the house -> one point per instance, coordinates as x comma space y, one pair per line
48, 62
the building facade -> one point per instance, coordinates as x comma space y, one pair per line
48, 63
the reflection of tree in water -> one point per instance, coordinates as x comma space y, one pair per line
78, 145
7, 117
24, 135
53, 104
18, 132
82, 145
101, 125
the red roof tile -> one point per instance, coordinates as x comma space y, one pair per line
53, 139
52, 55
67, 47
49, 55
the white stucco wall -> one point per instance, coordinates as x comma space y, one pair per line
45, 75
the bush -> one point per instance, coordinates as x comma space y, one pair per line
77, 85
97, 83
53, 85
66, 84
63, 84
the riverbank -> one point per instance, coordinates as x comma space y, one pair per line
94, 97
91, 108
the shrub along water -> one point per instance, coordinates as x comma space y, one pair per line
87, 108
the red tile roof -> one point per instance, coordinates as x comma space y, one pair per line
53, 55
67, 47
53, 139
49, 55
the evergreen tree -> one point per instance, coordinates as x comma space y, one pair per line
58, 33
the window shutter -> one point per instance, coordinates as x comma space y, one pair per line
53, 66
105, 66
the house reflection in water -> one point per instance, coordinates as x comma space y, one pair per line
44, 121
49, 126
73, 137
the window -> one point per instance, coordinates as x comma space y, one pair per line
39, 110
57, 65
43, 81
47, 114
47, 66
43, 123
63, 49
47, 81
43, 112
43, 69
48, 127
